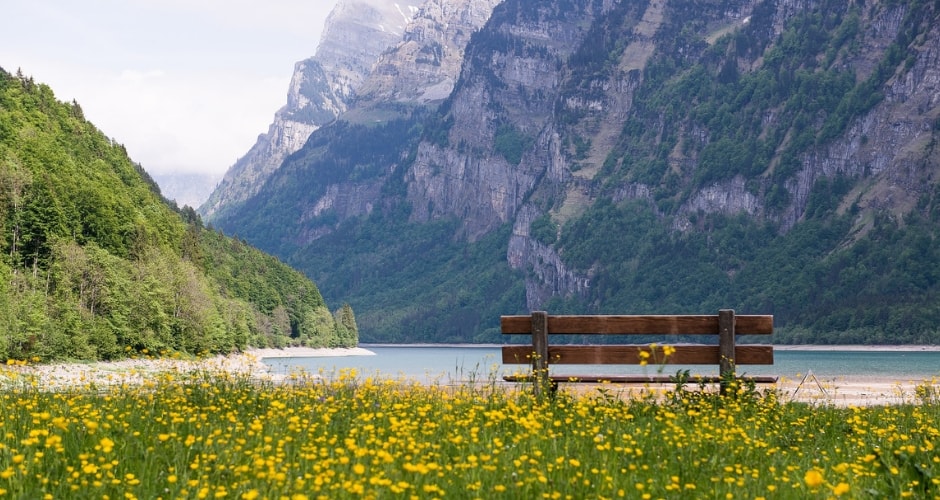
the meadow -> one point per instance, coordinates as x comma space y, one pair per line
220, 435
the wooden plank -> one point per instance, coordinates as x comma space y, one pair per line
636, 379
753, 324
640, 324
630, 355
633, 325
516, 324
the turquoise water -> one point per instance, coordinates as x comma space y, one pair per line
460, 363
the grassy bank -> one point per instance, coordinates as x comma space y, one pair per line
213, 435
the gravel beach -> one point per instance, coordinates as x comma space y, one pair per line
134, 371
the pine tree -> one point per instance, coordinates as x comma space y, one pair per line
348, 328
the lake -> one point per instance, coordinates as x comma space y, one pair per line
461, 363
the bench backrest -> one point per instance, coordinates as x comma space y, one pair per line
726, 325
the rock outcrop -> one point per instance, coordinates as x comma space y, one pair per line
423, 67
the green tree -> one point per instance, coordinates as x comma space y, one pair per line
346, 326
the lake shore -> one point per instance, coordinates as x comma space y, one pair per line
309, 352
881, 348
57, 376
779, 347
840, 391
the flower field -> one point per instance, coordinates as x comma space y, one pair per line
215, 435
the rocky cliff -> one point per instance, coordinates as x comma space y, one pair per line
630, 155
424, 65
373, 56
356, 33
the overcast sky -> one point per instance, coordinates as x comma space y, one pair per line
185, 85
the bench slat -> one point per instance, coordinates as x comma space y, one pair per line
640, 325
635, 379
630, 355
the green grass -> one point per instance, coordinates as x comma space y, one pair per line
211, 435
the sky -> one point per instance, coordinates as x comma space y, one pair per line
184, 85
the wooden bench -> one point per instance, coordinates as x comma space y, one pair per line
726, 355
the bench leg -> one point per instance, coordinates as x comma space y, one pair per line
540, 355
726, 345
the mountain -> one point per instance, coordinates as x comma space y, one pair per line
96, 264
775, 157
355, 34
186, 188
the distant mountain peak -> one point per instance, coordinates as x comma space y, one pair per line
372, 54
423, 67
355, 33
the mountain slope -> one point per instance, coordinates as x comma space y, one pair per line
97, 265
648, 157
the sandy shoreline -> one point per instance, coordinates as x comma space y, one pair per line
857, 391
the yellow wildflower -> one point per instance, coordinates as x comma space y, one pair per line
840, 489
813, 478
106, 445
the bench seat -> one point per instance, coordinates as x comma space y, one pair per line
726, 355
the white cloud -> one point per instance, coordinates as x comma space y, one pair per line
185, 85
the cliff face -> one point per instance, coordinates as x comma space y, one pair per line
504, 97
890, 146
355, 34
522, 89
569, 121
424, 65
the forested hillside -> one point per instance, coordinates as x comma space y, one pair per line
95, 264
679, 156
